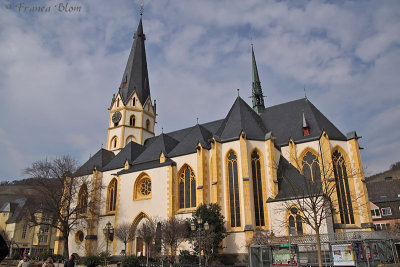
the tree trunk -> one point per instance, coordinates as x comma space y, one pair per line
317, 236
147, 255
125, 249
66, 250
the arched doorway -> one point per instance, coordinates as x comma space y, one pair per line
136, 245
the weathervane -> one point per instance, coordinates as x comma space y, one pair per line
238, 91
305, 94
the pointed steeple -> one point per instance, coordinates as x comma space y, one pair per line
257, 94
136, 78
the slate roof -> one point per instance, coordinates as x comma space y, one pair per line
291, 183
15, 208
136, 77
162, 143
285, 121
197, 134
130, 152
98, 160
241, 117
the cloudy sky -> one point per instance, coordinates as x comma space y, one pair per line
60, 66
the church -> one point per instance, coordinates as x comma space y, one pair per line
242, 162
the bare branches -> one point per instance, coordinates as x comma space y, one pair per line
124, 233
57, 195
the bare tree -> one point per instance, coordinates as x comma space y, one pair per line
312, 188
147, 233
261, 237
173, 231
124, 233
55, 200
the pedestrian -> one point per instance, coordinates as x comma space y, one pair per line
48, 263
25, 262
70, 262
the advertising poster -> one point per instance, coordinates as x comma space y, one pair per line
280, 256
343, 255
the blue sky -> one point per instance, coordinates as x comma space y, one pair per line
59, 70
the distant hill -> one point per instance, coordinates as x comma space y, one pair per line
10, 193
393, 172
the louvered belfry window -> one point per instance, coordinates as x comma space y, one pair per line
187, 188
343, 189
234, 203
257, 189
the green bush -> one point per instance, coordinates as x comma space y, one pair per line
185, 257
130, 261
92, 261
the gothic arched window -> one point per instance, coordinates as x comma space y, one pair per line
310, 167
187, 188
257, 189
114, 142
112, 195
132, 120
233, 183
342, 189
295, 222
82, 200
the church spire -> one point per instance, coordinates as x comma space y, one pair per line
136, 78
257, 94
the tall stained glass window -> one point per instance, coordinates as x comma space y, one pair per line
257, 189
233, 183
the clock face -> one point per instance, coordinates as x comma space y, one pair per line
116, 117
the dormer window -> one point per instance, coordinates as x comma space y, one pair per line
124, 82
306, 128
133, 101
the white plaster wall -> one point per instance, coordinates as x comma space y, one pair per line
138, 117
235, 243
313, 144
155, 207
190, 159
114, 132
278, 224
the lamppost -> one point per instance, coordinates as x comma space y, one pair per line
108, 231
201, 227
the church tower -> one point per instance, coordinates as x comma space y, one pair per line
257, 94
132, 114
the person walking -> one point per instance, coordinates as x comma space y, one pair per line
70, 262
25, 262
48, 263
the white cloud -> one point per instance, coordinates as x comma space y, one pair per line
59, 71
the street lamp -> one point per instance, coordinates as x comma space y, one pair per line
202, 227
108, 231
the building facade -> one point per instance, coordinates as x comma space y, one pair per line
244, 162
21, 235
384, 199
